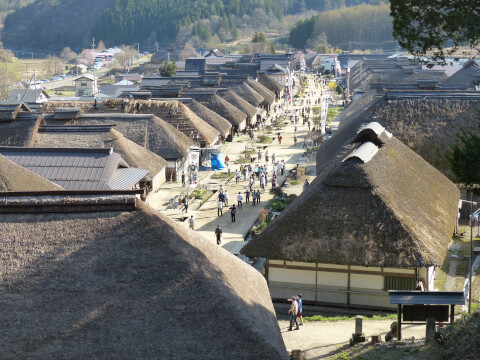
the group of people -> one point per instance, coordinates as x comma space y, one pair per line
222, 201
295, 312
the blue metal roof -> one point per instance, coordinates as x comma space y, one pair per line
427, 297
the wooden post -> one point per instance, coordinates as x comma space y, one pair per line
348, 289
399, 322
316, 282
452, 314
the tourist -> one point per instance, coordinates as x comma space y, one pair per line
221, 197
299, 313
185, 204
233, 211
273, 158
293, 313
191, 223
305, 185
237, 176
218, 234
266, 156
258, 196
245, 170
219, 207
259, 154
254, 197
225, 197
227, 159
280, 139
262, 181
183, 178
247, 196
239, 200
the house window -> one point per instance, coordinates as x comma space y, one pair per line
83, 84
398, 283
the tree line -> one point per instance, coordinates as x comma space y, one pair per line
342, 27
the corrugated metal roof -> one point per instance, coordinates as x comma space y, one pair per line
76, 169
427, 297
126, 178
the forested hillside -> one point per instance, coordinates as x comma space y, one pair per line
344, 28
147, 21
7, 5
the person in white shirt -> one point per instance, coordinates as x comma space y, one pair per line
219, 207
239, 200
191, 223
225, 194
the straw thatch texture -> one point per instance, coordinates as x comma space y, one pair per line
147, 131
131, 285
220, 106
216, 121
429, 126
269, 82
248, 94
268, 95
21, 131
180, 117
468, 75
392, 211
134, 154
16, 178
238, 102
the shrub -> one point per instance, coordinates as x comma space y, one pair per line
264, 139
199, 193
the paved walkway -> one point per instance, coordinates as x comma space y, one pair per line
206, 218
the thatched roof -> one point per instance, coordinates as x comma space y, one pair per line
268, 95
216, 121
469, 74
248, 94
17, 178
180, 117
146, 130
21, 131
379, 206
220, 106
269, 82
102, 285
101, 137
238, 102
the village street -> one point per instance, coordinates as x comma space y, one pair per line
206, 218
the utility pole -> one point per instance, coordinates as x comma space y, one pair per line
156, 45
93, 43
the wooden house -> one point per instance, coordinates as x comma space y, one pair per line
377, 218
271, 84
86, 85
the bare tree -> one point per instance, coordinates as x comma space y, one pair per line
127, 56
68, 54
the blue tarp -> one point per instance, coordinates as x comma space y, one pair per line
217, 162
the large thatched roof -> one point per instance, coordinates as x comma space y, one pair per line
146, 130
211, 117
238, 102
127, 284
101, 137
468, 75
17, 178
269, 82
248, 94
268, 95
379, 206
218, 105
20, 131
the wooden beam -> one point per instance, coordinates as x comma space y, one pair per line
399, 322
343, 271
348, 289
452, 314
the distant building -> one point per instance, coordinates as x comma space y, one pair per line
29, 96
86, 85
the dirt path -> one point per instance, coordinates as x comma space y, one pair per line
320, 339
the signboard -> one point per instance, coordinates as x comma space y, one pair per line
423, 312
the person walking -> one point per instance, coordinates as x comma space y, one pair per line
293, 313
185, 204
305, 185
259, 154
219, 207
191, 223
262, 181
247, 196
282, 166
239, 200
237, 176
295, 139
266, 156
254, 197
280, 139
299, 313
218, 234
221, 197
233, 212
245, 170
274, 181
273, 158
258, 196
183, 179
225, 195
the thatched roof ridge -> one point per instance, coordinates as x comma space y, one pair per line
21, 131
102, 137
221, 107
238, 102
394, 210
268, 95
248, 94
114, 276
269, 82
146, 130
210, 117
17, 178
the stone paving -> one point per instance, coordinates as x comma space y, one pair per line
206, 218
